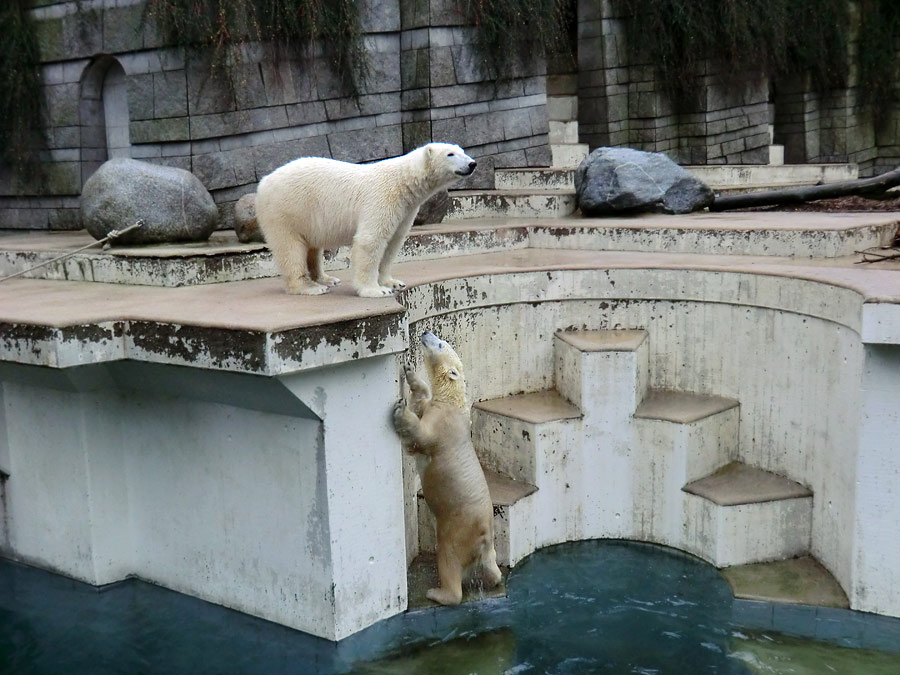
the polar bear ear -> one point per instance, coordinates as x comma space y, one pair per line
453, 374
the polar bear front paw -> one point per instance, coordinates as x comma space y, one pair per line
394, 284
374, 292
328, 280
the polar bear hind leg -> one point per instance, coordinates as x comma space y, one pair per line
450, 573
315, 262
291, 254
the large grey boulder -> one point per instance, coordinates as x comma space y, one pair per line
624, 180
172, 202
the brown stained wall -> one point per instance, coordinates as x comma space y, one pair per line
424, 85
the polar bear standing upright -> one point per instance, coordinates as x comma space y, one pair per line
315, 203
436, 423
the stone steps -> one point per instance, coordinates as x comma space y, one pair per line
741, 514
721, 177
510, 203
678, 437
534, 438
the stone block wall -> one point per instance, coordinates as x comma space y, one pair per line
100, 62
621, 104
621, 101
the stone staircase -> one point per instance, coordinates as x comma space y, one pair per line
549, 192
602, 455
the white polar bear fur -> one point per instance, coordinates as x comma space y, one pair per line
315, 203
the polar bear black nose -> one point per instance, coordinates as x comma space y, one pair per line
472, 165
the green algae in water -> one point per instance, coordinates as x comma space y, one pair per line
768, 654
489, 653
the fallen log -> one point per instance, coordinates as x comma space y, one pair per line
875, 185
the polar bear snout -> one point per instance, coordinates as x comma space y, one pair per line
431, 341
468, 170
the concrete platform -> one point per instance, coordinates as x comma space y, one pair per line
223, 258
681, 407
736, 483
536, 408
803, 581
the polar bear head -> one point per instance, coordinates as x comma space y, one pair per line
449, 161
444, 370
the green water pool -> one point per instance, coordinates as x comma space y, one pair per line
585, 607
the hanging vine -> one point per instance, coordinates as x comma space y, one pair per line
513, 32
775, 38
295, 27
21, 96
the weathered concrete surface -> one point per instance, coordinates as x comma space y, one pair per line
711, 324
736, 483
223, 258
802, 581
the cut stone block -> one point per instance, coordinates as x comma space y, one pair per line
741, 515
536, 438
510, 203
605, 373
562, 132
678, 437
568, 154
535, 179
597, 369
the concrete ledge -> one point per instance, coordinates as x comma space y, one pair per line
535, 408
801, 580
682, 407
736, 483
603, 340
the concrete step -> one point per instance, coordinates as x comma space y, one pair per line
741, 514
618, 358
568, 154
749, 175
562, 108
513, 519
605, 373
536, 439
542, 178
801, 581
510, 203
678, 437
562, 132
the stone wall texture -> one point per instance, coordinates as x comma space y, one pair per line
113, 88
621, 104
102, 62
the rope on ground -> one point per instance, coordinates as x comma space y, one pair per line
113, 234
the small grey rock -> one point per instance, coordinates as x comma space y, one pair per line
245, 224
624, 180
173, 203
434, 209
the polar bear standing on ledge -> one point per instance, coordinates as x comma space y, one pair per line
314, 203
436, 423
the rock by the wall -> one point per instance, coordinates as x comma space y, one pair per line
173, 203
616, 180
245, 224
434, 209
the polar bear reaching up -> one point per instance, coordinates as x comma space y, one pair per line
435, 424
314, 203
